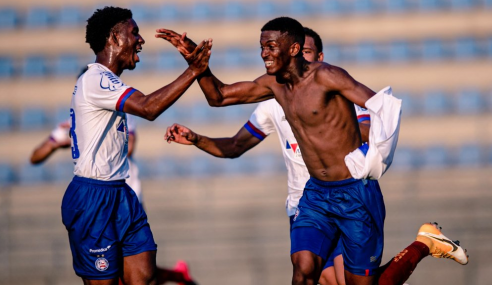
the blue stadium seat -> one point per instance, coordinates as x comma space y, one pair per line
436, 103
267, 9
299, 8
364, 6
433, 49
397, 6
333, 53
168, 60
400, 51
366, 52
201, 165
142, 13
7, 174
487, 3
240, 166
69, 16
9, 19
469, 102
168, 12
32, 174
6, 67
61, 114
34, 66
410, 104
33, 118
332, 7
405, 159
431, 5
38, 17
469, 155
466, 48
202, 11
235, 10
163, 167
61, 171
463, 4
489, 45
268, 163
67, 65
6, 120
147, 63
436, 157
200, 112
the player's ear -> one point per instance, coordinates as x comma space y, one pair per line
321, 56
295, 49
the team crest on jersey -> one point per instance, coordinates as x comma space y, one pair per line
122, 127
102, 264
294, 147
110, 81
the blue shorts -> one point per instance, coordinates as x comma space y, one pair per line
350, 210
331, 259
105, 222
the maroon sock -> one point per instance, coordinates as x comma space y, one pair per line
397, 271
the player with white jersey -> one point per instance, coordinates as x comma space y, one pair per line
268, 118
107, 227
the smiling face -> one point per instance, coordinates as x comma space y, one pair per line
275, 51
130, 43
309, 50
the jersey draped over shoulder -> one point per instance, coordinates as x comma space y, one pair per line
99, 128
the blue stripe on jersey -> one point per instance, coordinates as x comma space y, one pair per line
254, 131
123, 98
363, 118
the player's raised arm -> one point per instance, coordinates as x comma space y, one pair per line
338, 80
230, 147
216, 92
152, 105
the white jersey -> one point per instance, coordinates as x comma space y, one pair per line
98, 125
269, 117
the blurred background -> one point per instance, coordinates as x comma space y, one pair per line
226, 218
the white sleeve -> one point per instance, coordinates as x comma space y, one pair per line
362, 114
106, 90
61, 133
131, 123
260, 123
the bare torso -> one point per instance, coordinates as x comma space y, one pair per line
323, 121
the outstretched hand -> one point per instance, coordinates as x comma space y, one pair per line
198, 59
181, 42
180, 134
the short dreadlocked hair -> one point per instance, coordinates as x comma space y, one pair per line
285, 24
99, 25
317, 40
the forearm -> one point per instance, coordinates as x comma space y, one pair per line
219, 147
211, 86
364, 131
154, 104
42, 152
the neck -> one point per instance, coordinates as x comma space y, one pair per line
107, 57
294, 72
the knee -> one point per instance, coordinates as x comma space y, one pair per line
306, 271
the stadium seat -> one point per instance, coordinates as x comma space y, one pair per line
462, 4
436, 103
469, 155
469, 102
200, 166
33, 118
162, 167
487, 3
430, 5
397, 6
142, 13
333, 53
268, 163
69, 16
6, 67
364, 6
436, 157
244, 165
67, 65
168, 12
465, 48
410, 104
299, 8
433, 49
366, 52
32, 174
202, 11
38, 17
489, 45
9, 18
267, 9
61, 171
167, 60
6, 120
235, 10
7, 174
332, 7
34, 66
405, 159
61, 114
399, 51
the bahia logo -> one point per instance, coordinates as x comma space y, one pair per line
294, 147
102, 264
110, 81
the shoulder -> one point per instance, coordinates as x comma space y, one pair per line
332, 76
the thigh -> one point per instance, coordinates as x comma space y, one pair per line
140, 268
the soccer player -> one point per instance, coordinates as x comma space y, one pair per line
59, 138
317, 99
267, 118
107, 227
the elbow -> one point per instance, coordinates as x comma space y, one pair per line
215, 103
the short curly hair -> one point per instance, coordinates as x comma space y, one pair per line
99, 25
289, 25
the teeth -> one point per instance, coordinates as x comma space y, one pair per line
268, 63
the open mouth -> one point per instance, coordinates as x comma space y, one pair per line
137, 50
268, 63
